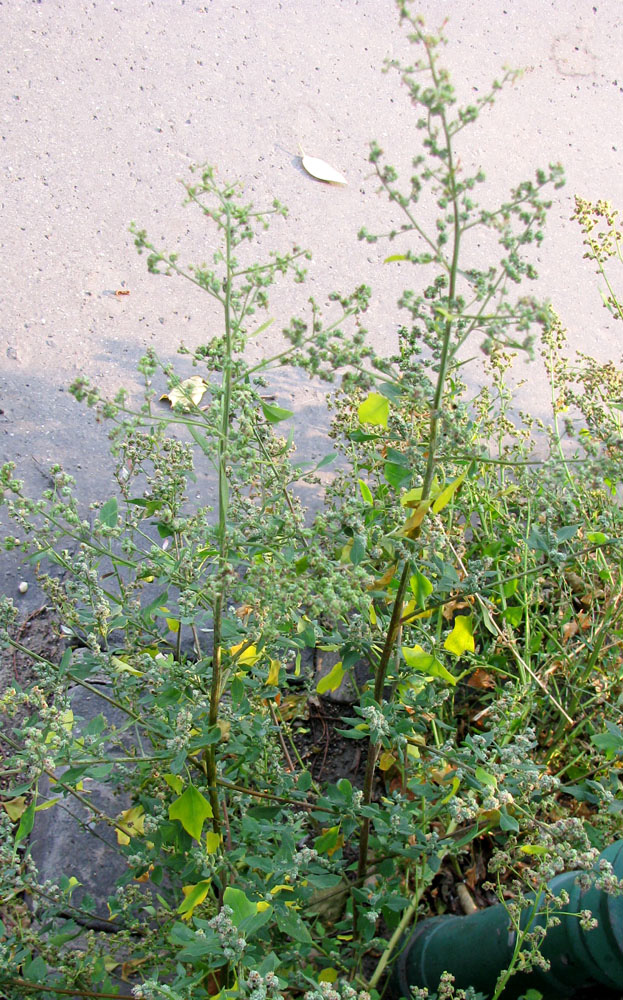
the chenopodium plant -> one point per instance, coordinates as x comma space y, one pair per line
225, 820
411, 442
243, 580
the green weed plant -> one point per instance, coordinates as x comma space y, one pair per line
480, 585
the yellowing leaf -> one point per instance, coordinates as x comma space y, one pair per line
374, 410
191, 809
461, 638
386, 760
194, 895
384, 580
327, 976
330, 840
413, 497
332, 680
248, 656
412, 523
16, 807
262, 906
273, 674
121, 667
66, 719
447, 493
47, 805
409, 611
145, 876
213, 841
322, 171
275, 889
129, 967
188, 393
132, 823
426, 663
455, 787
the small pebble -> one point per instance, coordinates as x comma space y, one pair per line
23, 587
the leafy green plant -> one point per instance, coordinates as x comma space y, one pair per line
446, 559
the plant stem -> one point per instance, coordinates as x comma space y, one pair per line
75, 991
435, 416
223, 497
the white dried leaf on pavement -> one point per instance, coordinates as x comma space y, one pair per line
322, 171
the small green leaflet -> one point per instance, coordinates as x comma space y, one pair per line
397, 475
191, 809
508, 822
357, 550
274, 414
175, 782
365, 492
201, 439
597, 537
374, 410
461, 638
421, 589
485, 778
26, 823
291, 924
109, 513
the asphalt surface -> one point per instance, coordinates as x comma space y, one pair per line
106, 104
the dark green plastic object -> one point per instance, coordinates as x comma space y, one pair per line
475, 949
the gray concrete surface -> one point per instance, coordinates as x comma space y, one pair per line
105, 103
70, 839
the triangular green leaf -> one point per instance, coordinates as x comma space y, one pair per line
274, 414
191, 809
291, 924
461, 638
109, 513
241, 906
